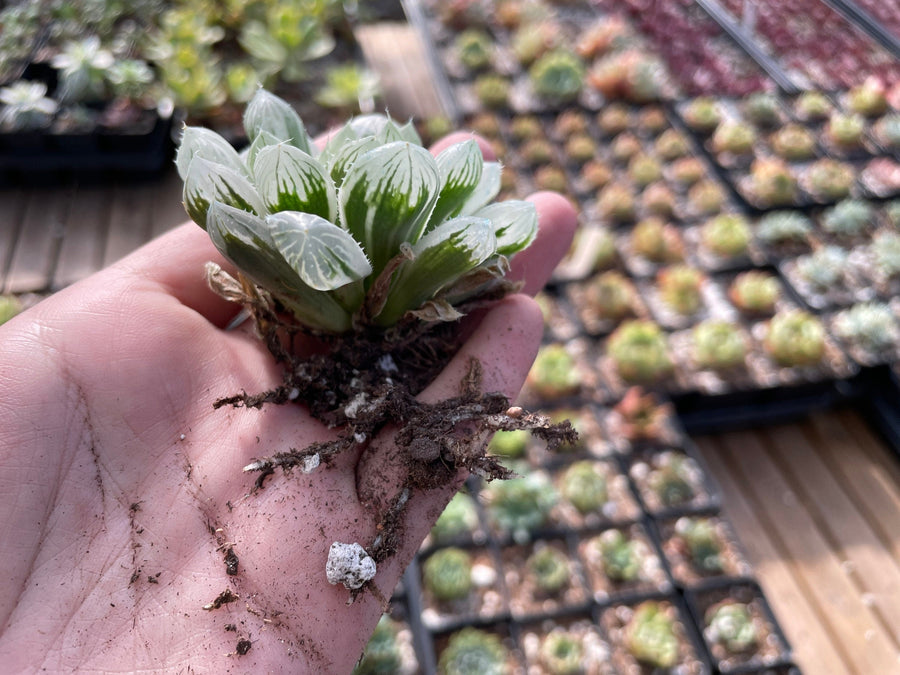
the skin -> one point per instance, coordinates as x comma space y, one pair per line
121, 487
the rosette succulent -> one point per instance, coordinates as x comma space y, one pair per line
849, 217
794, 142
706, 197
672, 478
754, 292
473, 651
555, 372
614, 119
549, 568
772, 182
823, 268
885, 249
474, 48
657, 240
622, 558
868, 98
458, 518
845, 130
658, 199
24, 106
561, 653
762, 108
702, 114
583, 485
643, 169
887, 130
731, 625
871, 326
610, 295
639, 351
718, 344
571, 123
783, 227
643, 416
382, 655
727, 235
492, 90
616, 202
557, 76
671, 144
680, 288
701, 540
733, 137
650, 635
812, 106
829, 179
795, 338
448, 574
362, 233
521, 505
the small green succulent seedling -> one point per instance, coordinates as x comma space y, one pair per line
557, 76
658, 199
549, 568
657, 241
492, 90
687, 171
447, 574
887, 129
845, 130
823, 268
869, 325
868, 98
702, 542
848, 217
671, 144
812, 106
382, 655
25, 106
610, 295
780, 227
830, 180
643, 416
702, 114
644, 169
734, 137
639, 351
348, 87
795, 338
521, 505
762, 108
83, 66
672, 478
616, 202
474, 48
561, 653
680, 288
510, 444
718, 344
555, 372
706, 197
772, 182
885, 249
614, 118
650, 635
458, 518
365, 232
622, 558
727, 235
473, 651
754, 292
794, 142
731, 625
584, 486
580, 148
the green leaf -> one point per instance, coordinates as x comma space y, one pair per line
341, 162
438, 259
488, 188
205, 143
386, 198
246, 241
515, 224
263, 140
207, 182
267, 112
288, 179
460, 167
321, 253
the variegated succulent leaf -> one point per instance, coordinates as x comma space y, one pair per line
267, 112
205, 143
289, 179
207, 182
263, 140
460, 167
386, 198
486, 190
515, 224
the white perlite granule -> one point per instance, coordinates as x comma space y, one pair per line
349, 564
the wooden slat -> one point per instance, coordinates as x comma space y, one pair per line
815, 650
129, 220
167, 209
84, 235
840, 602
12, 209
873, 568
38, 244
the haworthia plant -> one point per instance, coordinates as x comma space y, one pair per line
366, 231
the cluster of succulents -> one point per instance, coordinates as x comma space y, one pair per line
795, 338
555, 373
638, 349
680, 288
701, 541
731, 625
650, 635
447, 574
584, 485
870, 326
520, 506
622, 558
718, 344
473, 650
549, 568
755, 292
727, 235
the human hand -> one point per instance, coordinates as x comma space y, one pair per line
121, 490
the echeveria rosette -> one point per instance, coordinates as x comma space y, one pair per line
367, 231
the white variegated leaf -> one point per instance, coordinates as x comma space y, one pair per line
336, 143
367, 125
246, 240
288, 179
386, 198
267, 112
341, 162
438, 259
205, 143
207, 182
488, 188
515, 224
263, 140
460, 167
321, 253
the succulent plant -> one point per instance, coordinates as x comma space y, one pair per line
731, 625
551, 178
555, 372
447, 574
511, 444
610, 295
822, 268
702, 114
830, 180
524, 127
561, 653
671, 144
492, 90
537, 151
643, 169
382, 654
727, 235
652, 119
604, 250
622, 558
595, 174
624, 147
845, 130
754, 292
486, 124
580, 148
607, 33
772, 182
783, 227
472, 651
639, 351
733, 137
349, 88
521, 505
9, 307
672, 478
812, 106
687, 170
869, 325
702, 543
657, 241
614, 118
848, 217
762, 108
534, 39
718, 344
549, 568
794, 142
458, 518
83, 66
706, 197
25, 106
680, 288
571, 122
887, 130
130, 78
868, 98
650, 635
299, 222
643, 416
557, 76
795, 338
658, 199
616, 202
886, 252
474, 48
583, 485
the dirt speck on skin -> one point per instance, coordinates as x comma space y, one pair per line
231, 562
222, 598
243, 646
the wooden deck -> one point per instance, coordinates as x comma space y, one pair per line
816, 503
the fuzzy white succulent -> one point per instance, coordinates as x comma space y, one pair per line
25, 105
783, 226
886, 250
870, 325
824, 267
362, 232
